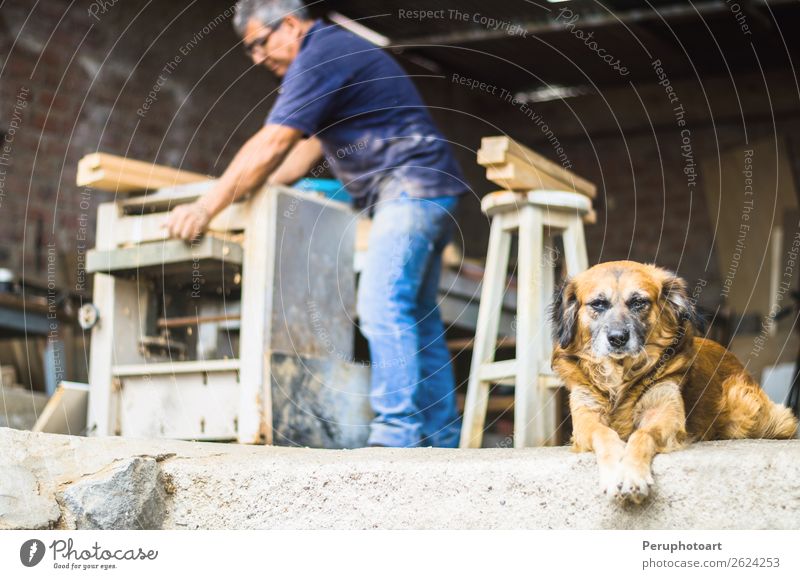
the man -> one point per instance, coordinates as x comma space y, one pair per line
346, 98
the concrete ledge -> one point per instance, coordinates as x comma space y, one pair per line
723, 485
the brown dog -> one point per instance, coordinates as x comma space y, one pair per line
641, 382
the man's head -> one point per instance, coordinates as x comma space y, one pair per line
272, 31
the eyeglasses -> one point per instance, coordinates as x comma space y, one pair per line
259, 42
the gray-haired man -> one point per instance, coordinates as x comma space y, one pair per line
341, 93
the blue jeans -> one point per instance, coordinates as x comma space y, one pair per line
412, 387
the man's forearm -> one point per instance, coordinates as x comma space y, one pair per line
251, 166
298, 162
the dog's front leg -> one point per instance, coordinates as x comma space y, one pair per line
659, 426
590, 433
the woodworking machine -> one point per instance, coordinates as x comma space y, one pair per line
246, 334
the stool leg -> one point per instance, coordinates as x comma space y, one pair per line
492, 289
575, 256
528, 427
549, 397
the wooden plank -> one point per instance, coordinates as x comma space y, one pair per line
166, 368
517, 175
120, 174
459, 344
191, 321
529, 423
575, 255
498, 371
486, 331
548, 401
363, 227
166, 198
115, 163
497, 404
182, 406
133, 229
66, 411
172, 251
495, 150
500, 201
102, 419
258, 271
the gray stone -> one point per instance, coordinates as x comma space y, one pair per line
125, 495
21, 506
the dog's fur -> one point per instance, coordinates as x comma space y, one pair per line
642, 381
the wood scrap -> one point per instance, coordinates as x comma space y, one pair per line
514, 166
123, 175
65, 412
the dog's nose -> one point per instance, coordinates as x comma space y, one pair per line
618, 338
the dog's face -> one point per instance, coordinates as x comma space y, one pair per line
612, 309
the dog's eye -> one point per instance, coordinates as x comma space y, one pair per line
638, 304
599, 305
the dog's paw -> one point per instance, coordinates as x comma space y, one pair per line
628, 484
610, 475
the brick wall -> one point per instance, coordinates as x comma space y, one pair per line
74, 76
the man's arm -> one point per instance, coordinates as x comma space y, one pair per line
298, 163
250, 168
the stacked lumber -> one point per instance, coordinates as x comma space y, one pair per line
517, 168
122, 175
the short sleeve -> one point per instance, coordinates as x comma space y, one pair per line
306, 99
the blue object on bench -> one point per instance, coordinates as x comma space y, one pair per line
331, 188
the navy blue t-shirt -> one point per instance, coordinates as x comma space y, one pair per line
377, 136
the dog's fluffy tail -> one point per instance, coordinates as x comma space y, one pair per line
751, 414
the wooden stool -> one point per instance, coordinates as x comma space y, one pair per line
537, 216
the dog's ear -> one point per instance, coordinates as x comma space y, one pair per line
675, 294
564, 314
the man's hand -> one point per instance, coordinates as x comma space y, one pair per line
188, 221
251, 166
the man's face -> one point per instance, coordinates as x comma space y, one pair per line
274, 48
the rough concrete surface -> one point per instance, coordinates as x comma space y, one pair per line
749, 484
